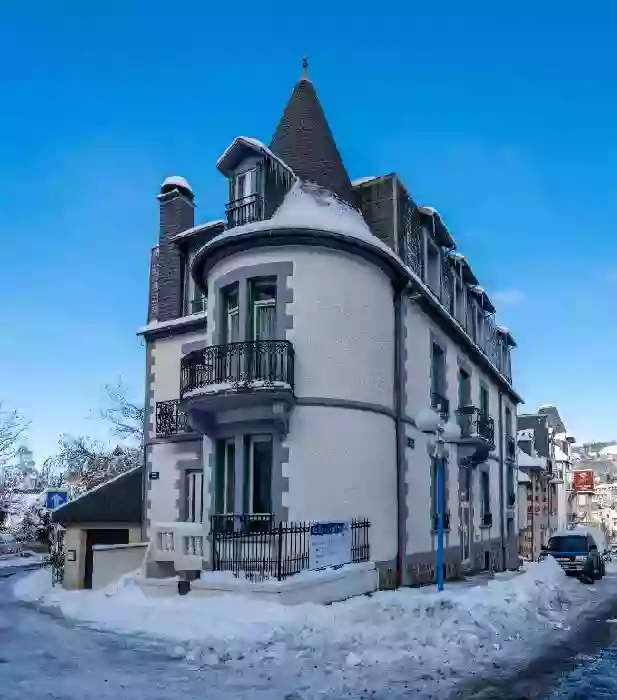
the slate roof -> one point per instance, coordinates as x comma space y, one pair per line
303, 140
116, 501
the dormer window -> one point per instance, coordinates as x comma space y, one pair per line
245, 201
433, 267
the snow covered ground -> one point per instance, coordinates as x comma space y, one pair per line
388, 643
11, 563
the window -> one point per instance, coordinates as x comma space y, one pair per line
194, 489
232, 315
225, 478
470, 323
508, 422
510, 492
464, 400
245, 184
485, 496
459, 309
484, 406
433, 267
257, 486
438, 375
263, 309
479, 325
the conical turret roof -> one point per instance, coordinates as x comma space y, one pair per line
303, 139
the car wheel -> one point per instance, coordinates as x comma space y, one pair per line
597, 574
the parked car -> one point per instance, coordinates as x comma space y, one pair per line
9, 545
577, 553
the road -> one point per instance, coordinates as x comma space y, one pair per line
44, 658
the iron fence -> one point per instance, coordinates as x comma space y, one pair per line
170, 419
244, 210
270, 362
258, 548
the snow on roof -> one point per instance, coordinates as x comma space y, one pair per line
178, 181
609, 450
96, 488
560, 455
477, 289
430, 211
363, 180
159, 325
525, 460
200, 227
502, 329
254, 144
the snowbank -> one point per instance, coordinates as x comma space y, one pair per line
420, 637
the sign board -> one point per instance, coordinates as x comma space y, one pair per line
55, 498
330, 544
71, 555
153, 476
582, 480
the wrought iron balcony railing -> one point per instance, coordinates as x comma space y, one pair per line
473, 423
510, 448
170, 420
198, 304
238, 365
440, 404
245, 210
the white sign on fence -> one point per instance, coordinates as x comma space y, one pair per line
330, 544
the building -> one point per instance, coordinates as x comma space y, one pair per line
545, 458
535, 467
102, 532
290, 345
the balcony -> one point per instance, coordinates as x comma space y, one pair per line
476, 428
440, 404
170, 420
510, 448
244, 210
236, 375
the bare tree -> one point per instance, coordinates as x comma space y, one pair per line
12, 428
125, 416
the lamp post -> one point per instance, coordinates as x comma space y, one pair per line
445, 431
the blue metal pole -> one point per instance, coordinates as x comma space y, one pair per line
441, 507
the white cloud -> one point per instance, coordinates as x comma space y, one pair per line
508, 296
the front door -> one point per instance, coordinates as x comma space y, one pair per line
465, 475
100, 537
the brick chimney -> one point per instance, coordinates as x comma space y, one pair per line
177, 213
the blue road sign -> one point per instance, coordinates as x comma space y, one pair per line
55, 499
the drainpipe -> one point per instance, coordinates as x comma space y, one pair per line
399, 393
501, 484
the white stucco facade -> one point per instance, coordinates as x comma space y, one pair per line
324, 305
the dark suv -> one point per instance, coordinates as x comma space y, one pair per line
577, 554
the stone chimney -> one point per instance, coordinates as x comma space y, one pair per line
177, 213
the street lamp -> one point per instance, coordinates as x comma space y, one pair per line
445, 431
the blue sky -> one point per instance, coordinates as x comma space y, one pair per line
502, 120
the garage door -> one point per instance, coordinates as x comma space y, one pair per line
101, 537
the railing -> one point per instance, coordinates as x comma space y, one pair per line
260, 549
440, 404
235, 365
170, 420
473, 423
244, 210
179, 543
199, 304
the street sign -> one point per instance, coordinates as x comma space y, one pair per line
154, 476
55, 499
330, 544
